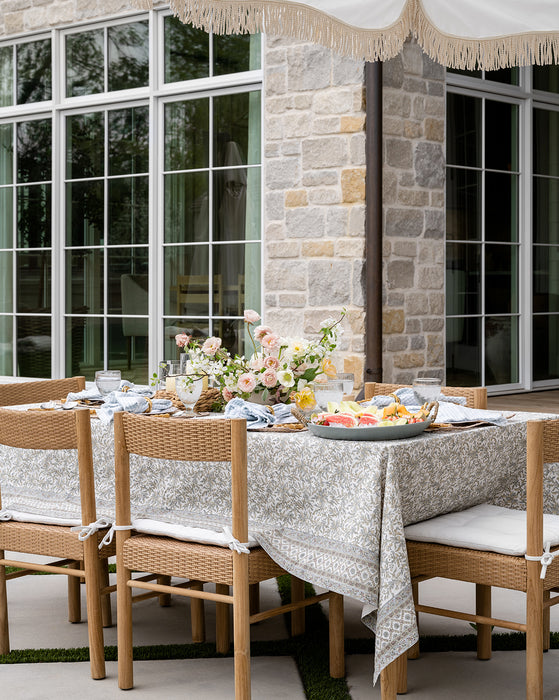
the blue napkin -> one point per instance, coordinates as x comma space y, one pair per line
409, 398
118, 401
258, 416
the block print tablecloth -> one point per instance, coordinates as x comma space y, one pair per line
330, 512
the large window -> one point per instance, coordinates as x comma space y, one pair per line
129, 194
502, 250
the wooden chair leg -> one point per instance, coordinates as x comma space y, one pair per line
4, 630
124, 629
413, 652
254, 598
402, 674
164, 598
534, 634
197, 617
336, 622
389, 681
546, 623
94, 615
241, 627
106, 597
74, 595
222, 626
297, 616
483, 607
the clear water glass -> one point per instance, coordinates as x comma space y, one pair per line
427, 389
107, 380
188, 388
330, 391
348, 380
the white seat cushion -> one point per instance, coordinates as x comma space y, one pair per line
185, 533
40, 519
484, 527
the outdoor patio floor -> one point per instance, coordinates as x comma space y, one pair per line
38, 620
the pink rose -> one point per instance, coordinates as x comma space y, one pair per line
269, 378
227, 394
211, 345
270, 341
271, 362
251, 316
256, 362
246, 382
261, 331
182, 339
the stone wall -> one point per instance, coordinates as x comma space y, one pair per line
314, 202
314, 159
414, 217
19, 16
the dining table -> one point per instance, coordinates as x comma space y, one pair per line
331, 512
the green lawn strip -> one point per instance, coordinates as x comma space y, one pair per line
311, 650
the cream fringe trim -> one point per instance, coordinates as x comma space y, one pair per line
306, 23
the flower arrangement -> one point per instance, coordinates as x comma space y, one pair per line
279, 369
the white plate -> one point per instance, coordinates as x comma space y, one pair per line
390, 432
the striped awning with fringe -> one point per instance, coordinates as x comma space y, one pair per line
466, 34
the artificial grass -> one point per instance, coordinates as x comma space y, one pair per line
310, 650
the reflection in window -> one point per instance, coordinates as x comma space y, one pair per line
128, 55
34, 71
84, 63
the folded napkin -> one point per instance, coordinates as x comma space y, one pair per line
118, 401
409, 398
91, 394
258, 416
137, 389
451, 413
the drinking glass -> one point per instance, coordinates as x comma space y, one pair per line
107, 380
427, 389
188, 388
168, 370
330, 391
348, 380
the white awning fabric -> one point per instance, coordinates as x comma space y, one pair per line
486, 34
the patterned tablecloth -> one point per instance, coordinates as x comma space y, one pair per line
330, 512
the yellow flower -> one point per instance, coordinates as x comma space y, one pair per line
304, 399
328, 368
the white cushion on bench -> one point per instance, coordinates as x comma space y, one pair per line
484, 527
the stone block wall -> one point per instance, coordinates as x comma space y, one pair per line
414, 217
19, 16
314, 202
314, 161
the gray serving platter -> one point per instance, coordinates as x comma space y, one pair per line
391, 432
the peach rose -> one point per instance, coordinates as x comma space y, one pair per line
271, 362
251, 316
211, 345
261, 331
269, 378
182, 339
246, 382
270, 341
227, 394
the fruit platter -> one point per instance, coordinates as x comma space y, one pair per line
349, 420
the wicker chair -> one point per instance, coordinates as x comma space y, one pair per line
476, 397
428, 559
59, 430
36, 392
200, 441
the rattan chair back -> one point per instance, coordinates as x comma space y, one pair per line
16, 393
217, 440
487, 569
476, 397
58, 430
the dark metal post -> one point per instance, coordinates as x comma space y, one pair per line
373, 223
